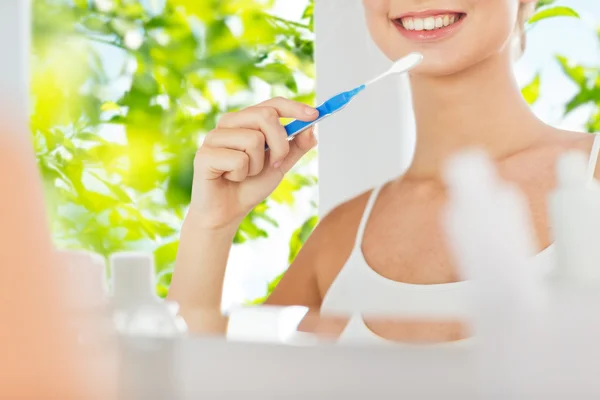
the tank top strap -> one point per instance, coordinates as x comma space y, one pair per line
593, 159
366, 214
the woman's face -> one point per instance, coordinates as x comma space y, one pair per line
452, 34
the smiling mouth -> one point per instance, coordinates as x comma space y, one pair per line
429, 23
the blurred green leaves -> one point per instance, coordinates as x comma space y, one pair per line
544, 3
551, 12
122, 93
586, 79
300, 236
531, 91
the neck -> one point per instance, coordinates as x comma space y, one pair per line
479, 107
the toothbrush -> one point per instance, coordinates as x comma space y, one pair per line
341, 100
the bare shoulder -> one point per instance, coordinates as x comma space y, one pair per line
322, 257
584, 142
331, 244
579, 141
541, 158
572, 140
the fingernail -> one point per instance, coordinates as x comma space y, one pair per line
310, 111
277, 164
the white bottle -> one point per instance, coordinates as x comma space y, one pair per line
492, 240
137, 311
86, 295
572, 360
575, 219
89, 316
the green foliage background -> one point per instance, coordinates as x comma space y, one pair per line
116, 150
124, 90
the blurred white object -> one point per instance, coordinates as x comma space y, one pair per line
574, 211
137, 310
89, 317
492, 240
132, 276
267, 324
86, 295
572, 327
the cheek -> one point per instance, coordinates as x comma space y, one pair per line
381, 30
488, 30
377, 6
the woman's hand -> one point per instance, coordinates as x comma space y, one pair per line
233, 172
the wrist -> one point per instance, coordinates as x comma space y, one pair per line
205, 226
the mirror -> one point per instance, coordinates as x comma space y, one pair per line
485, 262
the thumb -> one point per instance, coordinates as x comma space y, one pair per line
299, 146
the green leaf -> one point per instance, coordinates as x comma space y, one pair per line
270, 288
575, 72
300, 236
309, 13
544, 3
558, 11
165, 255
580, 99
284, 194
162, 291
531, 92
165, 277
110, 106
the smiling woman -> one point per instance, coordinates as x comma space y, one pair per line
385, 248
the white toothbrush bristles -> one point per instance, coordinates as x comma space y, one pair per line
403, 65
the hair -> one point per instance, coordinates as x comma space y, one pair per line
525, 12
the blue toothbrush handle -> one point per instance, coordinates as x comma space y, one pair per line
329, 107
297, 126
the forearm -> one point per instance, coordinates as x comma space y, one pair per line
200, 267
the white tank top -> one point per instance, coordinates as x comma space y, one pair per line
359, 290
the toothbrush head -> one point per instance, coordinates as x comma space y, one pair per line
406, 63
402, 65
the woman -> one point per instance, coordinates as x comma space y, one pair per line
385, 246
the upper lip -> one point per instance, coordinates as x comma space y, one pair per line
427, 13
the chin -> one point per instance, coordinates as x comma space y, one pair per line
440, 64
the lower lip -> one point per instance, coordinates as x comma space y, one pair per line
429, 36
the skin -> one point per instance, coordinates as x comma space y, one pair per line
455, 84
39, 359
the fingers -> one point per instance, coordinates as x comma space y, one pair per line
301, 144
265, 120
265, 117
291, 109
213, 163
249, 141
235, 150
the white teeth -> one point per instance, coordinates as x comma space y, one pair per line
429, 23
418, 24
